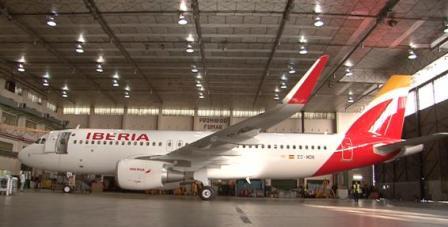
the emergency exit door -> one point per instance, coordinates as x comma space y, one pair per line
347, 150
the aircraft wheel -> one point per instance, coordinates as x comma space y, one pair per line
207, 193
67, 189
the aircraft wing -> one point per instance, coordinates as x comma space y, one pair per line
220, 142
415, 143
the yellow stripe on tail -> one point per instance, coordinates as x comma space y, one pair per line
394, 82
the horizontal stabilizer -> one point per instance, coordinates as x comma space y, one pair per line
411, 142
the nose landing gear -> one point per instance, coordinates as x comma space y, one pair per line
207, 193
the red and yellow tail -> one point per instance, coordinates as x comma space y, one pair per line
384, 116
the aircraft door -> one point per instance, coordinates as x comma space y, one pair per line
50, 144
347, 152
57, 142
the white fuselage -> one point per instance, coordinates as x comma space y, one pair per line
270, 155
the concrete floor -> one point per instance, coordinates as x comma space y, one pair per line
115, 209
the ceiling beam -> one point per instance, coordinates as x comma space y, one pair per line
38, 39
230, 12
197, 23
288, 8
90, 4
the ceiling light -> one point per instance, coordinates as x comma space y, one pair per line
198, 76
65, 88
303, 50
127, 88
79, 49
64, 95
115, 85
46, 76
302, 39
182, 20
201, 89
81, 38
412, 54
350, 99
116, 76
284, 77
45, 83
20, 68
276, 98
51, 21
350, 92
199, 85
318, 22
348, 72
22, 59
194, 69
291, 69
190, 38
189, 48
277, 90
283, 85
99, 68
127, 96
201, 96
100, 59
445, 30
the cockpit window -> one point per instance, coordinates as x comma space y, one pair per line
37, 141
42, 141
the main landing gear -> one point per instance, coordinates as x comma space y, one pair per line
207, 193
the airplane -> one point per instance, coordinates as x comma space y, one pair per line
142, 160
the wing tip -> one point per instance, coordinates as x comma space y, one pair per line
302, 90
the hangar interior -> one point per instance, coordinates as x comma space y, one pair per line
207, 64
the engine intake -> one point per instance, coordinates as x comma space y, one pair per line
135, 174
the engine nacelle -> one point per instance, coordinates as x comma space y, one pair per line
136, 174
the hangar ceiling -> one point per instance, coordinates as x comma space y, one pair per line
241, 48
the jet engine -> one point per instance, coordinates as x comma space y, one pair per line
136, 174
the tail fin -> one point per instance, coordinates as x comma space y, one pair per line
384, 116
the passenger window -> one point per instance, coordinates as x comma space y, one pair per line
294, 147
135, 143
42, 141
262, 146
73, 134
312, 147
169, 144
325, 147
147, 143
74, 141
87, 142
269, 146
98, 142
80, 142
300, 147
141, 143
104, 142
160, 144
275, 146
318, 147
281, 146
287, 146
179, 144
306, 147
117, 143
154, 143
122, 143
111, 142
129, 143
250, 146
256, 146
